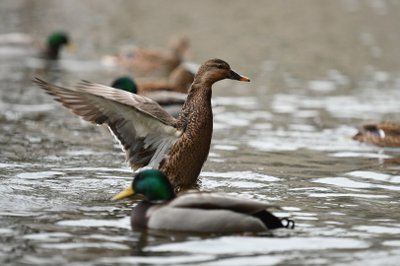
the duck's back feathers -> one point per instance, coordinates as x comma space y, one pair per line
202, 220
385, 134
214, 201
210, 212
143, 128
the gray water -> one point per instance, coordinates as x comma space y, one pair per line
318, 70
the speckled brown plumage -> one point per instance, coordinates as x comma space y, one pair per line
385, 134
148, 134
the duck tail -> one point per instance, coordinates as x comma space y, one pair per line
273, 222
288, 223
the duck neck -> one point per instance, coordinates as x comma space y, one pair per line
52, 52
197, 108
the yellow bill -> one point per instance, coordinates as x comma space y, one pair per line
71, 46
124, 194
243, 78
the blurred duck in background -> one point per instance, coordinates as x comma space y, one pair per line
385, 134
170, 100
49, 49
151, 61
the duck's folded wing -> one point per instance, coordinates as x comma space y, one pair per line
202, 220
143, 128
389, 128
206, 200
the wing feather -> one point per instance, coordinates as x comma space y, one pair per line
144, 130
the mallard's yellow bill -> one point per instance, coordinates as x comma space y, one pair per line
243, 78
71, 46
124, 194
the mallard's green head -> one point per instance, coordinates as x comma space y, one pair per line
126, 84
152, 184
57, 39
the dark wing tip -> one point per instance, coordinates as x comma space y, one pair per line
39, 81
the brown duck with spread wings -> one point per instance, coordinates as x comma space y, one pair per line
148, 134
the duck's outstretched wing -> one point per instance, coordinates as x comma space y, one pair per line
143, 128
167, 97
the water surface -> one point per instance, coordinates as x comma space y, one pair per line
317, 69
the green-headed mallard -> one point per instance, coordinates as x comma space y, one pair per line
385, 134
198, 212
148, 61
148, 134
170, 100
55, 42
49, 49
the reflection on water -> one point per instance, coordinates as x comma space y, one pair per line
285, 138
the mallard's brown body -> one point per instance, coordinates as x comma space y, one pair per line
191, 150
148, 134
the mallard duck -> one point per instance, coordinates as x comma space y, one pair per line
50, 49
148, 134
181, 78
171, 101
146, 61
55, 42
385, 134
125, 83
199, 212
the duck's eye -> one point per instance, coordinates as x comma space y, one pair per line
220, 66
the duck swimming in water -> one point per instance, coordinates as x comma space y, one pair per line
49, 49
197, 212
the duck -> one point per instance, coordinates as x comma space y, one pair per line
148, 134
147, 61
384, 134
194, 211
55, 42
181, 77
170, 100
49, 50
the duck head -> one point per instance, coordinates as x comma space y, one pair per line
150, 183
57, 39
179, 45
55, 42
126, 84
215, 70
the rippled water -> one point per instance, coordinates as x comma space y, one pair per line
317, 69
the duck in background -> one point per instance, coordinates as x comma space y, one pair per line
385, 134
49, 49
151, 62
148, 134
170, 100
196, 212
